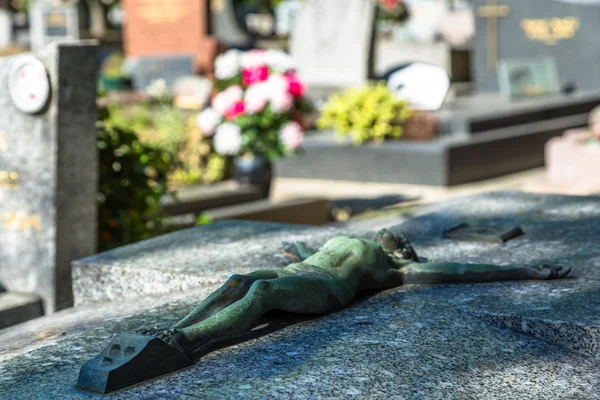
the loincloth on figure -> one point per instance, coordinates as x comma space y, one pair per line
336, 285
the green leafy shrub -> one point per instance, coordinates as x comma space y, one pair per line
366, 113
133, 178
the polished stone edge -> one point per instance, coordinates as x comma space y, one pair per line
576, 336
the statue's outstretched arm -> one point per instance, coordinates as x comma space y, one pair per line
446, 272
297, 250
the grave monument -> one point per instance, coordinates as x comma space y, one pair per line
322, 282
485, 135
161, 28
331, 42
525, 339
48, 171
53, 21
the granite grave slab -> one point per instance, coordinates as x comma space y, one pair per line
48, 171
481, 137
558, 29
169, 68
422, 342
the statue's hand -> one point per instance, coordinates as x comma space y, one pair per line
547, 271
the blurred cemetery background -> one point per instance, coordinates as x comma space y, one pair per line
295, 111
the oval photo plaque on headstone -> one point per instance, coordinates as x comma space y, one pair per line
29, 85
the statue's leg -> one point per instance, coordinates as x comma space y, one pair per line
231, 291
429, 273
298, 293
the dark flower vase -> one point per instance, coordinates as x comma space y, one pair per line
254, 170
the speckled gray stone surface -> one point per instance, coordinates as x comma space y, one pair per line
414, 342
54, 154
410, 343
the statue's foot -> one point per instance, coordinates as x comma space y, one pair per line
132, 358
548, 271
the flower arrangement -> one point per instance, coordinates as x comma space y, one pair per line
365, 113
258, 105
391, 10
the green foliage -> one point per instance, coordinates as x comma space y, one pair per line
112, 67
261, 133
133, 178
366, 113
167, 128
163, 127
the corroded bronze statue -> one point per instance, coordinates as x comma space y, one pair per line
321, 282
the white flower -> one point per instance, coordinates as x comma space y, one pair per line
279, 61
208, 120
253, 59
281, 102
224, 100
291, 135
227, 65
157, 88
228, 139
277, 84
256, 97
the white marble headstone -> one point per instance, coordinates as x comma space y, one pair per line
331, 41
424, 86
53, 22
5, 29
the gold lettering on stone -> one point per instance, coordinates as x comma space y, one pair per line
550, 31
161, 11
9, 180
56, 20
20, 221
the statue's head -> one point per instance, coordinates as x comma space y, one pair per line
397, 244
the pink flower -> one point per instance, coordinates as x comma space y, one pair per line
236, 109
291, 135
596, 129
227, 99
295, 85
255, 74
390, 5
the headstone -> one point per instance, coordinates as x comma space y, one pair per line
285, 16
145, 70
571, 162
5, 28
224, 25
169, 27
561, 30
53, 22
532, 339
424, 86
331, 42
48, 169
